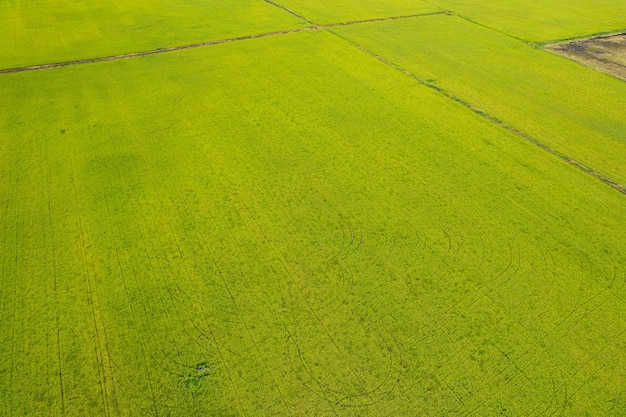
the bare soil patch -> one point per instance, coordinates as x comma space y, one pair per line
604, 53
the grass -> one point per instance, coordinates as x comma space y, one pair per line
289, 226
570, 108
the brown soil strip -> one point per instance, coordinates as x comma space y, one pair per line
600, 176
203, 44
603, 53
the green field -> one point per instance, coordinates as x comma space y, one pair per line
56, 31
573, 109
345, 221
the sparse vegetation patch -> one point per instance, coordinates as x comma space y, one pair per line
604, 53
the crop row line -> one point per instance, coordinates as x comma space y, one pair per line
49, 239
291, 12
101, 349
313, 27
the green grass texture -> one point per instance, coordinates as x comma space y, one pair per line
288, 226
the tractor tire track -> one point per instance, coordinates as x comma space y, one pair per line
157, 404
206, 245
364, 392
249, 214
101, 351
14, 299
7, 298
211, 336
183, 210
57, 306
14, 270
135, 316
294, 283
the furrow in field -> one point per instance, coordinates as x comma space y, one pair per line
227, 278
136, 262
160, 367
51, 244
202, 321
137, 319
44, 261
12, 360
203, 253
286, 293
6, 309
102, 355
69, 318
22, 330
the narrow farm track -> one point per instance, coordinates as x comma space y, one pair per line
208, 43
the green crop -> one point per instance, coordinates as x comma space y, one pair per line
34, 33
294, 226
572, 109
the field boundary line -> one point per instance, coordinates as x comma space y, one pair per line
383, 19
586, 37
313, 27
501, 32
288, 10
500, 123
149, 52
474, 22
50, 235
